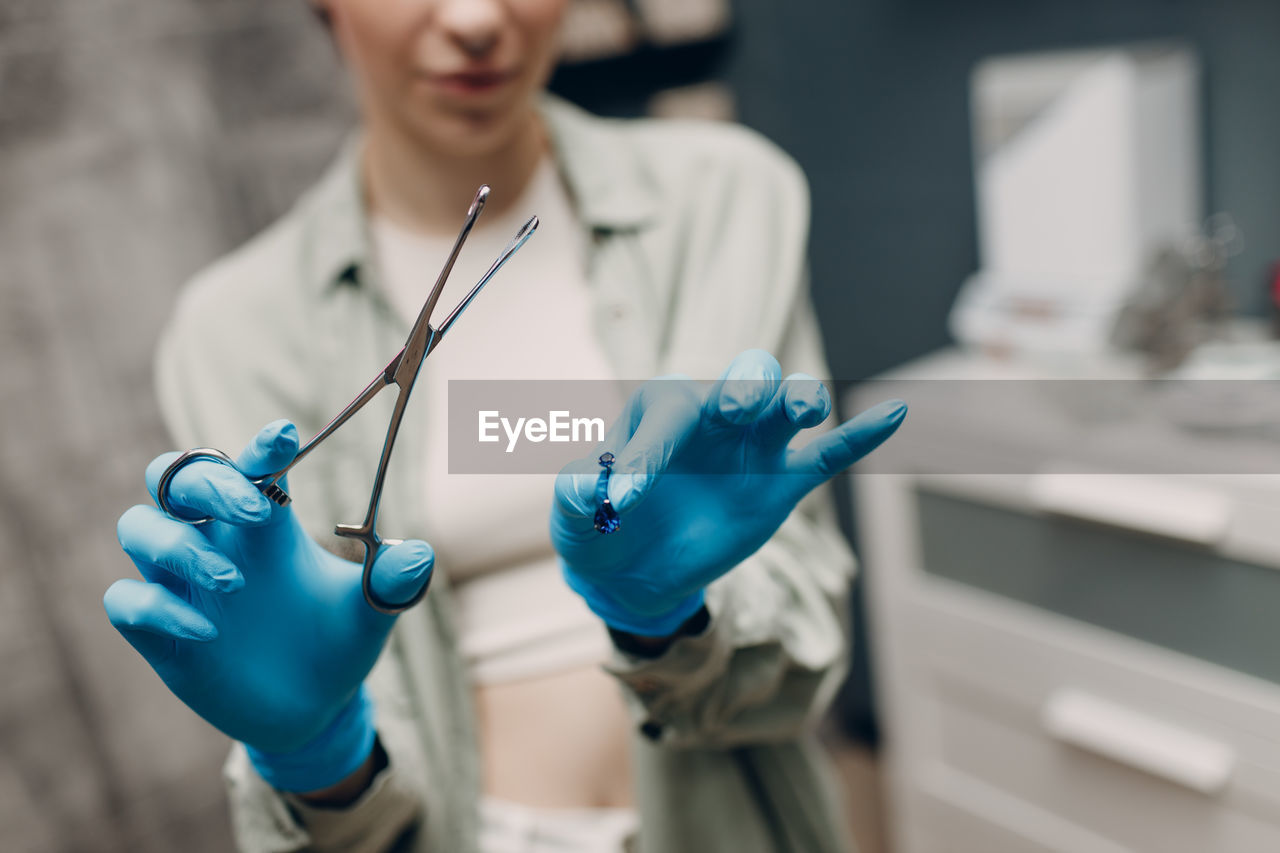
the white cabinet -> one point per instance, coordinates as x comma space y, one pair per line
1084, 663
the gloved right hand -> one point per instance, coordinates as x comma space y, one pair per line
258, 629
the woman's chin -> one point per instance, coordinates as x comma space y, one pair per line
468, 133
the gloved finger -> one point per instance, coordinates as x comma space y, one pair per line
575, 489
152, 618
828, 455
801, 402
154, 541
745, 389
669, 415
400, 571
643, 398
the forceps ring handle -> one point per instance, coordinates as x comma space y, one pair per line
183, 460
361, 532
368, 537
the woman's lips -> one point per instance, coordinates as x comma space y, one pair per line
471, 82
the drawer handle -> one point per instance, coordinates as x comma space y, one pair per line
1139, 741
1144, 504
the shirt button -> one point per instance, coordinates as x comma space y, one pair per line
651, 730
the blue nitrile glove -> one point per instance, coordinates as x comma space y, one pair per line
252, 624
700, 482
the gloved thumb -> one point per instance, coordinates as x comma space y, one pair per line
401, 571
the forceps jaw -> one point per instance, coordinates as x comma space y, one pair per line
423, 334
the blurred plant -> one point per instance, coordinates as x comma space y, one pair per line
1184, 300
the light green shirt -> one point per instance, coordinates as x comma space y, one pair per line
697, 241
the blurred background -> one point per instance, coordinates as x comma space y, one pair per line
140, 139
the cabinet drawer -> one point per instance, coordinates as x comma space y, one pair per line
1189, 599
1128, 807
1162, 753
959, 812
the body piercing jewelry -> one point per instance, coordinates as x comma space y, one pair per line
606, 520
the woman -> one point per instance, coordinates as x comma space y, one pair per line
666, 247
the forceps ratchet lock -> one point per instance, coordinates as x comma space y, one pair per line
402, 371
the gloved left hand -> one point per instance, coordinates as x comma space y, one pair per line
700, 482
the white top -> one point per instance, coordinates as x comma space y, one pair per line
516, 617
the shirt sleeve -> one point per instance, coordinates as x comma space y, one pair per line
383, 819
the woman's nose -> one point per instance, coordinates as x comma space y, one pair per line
474, 25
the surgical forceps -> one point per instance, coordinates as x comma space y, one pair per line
402, 371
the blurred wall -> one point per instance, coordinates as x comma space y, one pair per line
139, 139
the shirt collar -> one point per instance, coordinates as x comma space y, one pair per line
336, 242
610, 187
